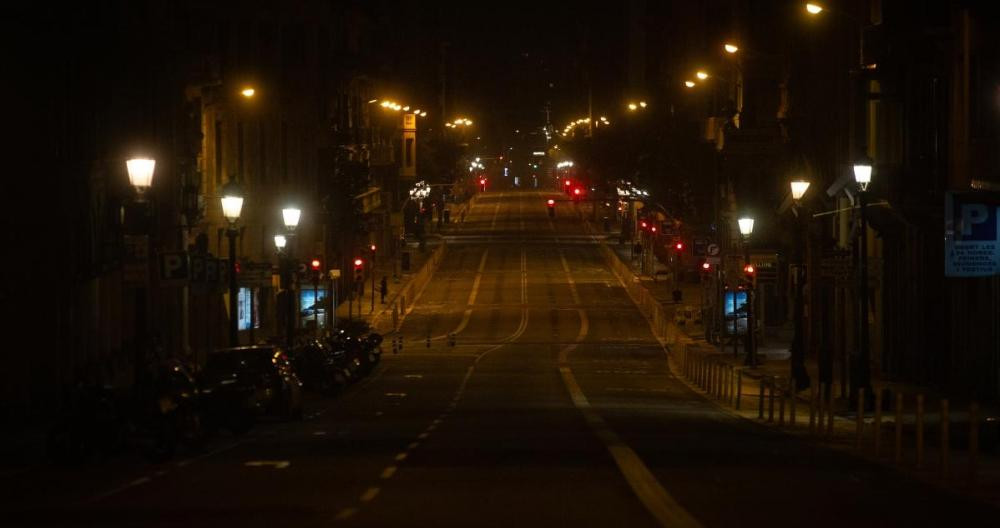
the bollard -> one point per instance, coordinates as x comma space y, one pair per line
820, 409
739, 388
877, 425
920, 431
812, 409
770, 400
945, 436
791, 407
898, 455
973, 441
781, 407
859, 423
760, 405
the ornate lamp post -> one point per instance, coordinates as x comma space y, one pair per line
863, 176
798, 363
290, 215
746, 229
232, 206
140, 176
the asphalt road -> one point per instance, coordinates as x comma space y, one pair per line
554, 408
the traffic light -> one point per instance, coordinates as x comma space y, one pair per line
552, 207
679, 246
644, 224
749, 271
359, 270
706, 266
372, 248
482, 182
316, 264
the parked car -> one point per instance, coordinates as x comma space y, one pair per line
322, 367
259, 379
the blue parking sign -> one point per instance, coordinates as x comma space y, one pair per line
972, 222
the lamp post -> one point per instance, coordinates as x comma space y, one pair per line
372, 248
746, 229
232, 205
140, 176
290, 216
798, 363
863, 176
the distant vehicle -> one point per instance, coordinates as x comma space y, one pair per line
261, 376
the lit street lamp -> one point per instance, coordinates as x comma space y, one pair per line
798, 364
746, 229
232, 205
863, 176
290, 215
140, 176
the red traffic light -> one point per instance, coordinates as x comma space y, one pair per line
748, 269
482, 181
679, 246
551, 203
577, 191
653, 229
705, 266
358, 262
566, 183
372, 248
315, 264
644, 224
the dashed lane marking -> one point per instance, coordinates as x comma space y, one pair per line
389, 472
346, 513
401, 457
369, 494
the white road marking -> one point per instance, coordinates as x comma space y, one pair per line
644, 484
389, 472
276, 464
319, 433
369, 494
413, 445
396, 394
414, 376
346, 513
423, 436
657, 500
431, 427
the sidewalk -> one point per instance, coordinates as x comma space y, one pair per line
952, 457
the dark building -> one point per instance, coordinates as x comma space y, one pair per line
168, 81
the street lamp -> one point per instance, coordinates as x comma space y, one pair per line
140, 176
232, 205
798, 363
730, 48
814, 9
746, 229
280, 242
290, 215
701, 74
863, 176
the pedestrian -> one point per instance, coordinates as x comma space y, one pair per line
383, 288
